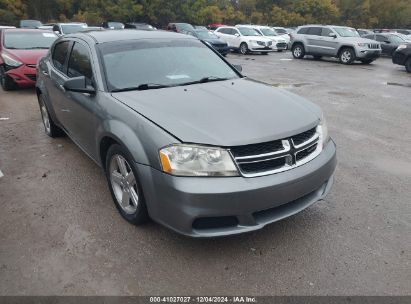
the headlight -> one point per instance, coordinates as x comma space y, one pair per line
402, 46
260, 43
193, 160
10, 61
363, 44
324, 131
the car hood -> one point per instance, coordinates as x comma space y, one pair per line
27, 56
224, 113
260, 38
357, 40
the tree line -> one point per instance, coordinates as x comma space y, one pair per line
356, 13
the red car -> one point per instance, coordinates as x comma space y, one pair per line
20, 50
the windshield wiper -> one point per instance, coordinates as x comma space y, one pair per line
142, 87
204, 80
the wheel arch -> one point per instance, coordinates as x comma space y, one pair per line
344, 46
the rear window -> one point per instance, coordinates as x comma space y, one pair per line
28, 40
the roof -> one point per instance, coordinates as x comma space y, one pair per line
26, 30
128, 34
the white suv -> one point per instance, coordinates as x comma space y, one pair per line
279, 43
244, 39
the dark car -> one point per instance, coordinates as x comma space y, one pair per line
389, 42
180, 27
402, 56
112, 25
139, 26
182, 136
30, 24
219, 44
20, 49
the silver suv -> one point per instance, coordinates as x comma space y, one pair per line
334, 41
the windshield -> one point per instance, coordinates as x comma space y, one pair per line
281, 31
346, 32
160, 62
396, 39
245, 31
73, 28
206, 35
28, 40
268, 32
185, 26
30, 23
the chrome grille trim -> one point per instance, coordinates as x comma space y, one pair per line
289, 153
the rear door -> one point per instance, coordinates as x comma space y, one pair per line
313, 37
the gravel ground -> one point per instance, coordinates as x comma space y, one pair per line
60, 233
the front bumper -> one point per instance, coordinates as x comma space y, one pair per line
23, 76
210, 207
368, 54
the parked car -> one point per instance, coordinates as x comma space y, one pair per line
283, 33
113, 25
244, 39
169, 131
364, 32
20, 49
404, 31
180, 27
389, 42
334, 41
200, 27
216, 42
406, 38
213, 27
139, 26
30, 24
402, 56
69, 28
279, 43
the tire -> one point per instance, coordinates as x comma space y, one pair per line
317, 57
243, 48
6, 82
298, 51
124, 185
50, 127
346, 56
367, 61
408, 65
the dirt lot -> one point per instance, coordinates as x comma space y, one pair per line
60, 233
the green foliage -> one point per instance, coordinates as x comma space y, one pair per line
357, 13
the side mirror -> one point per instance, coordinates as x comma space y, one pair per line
237, 34
238, 67
332, 35
78, 84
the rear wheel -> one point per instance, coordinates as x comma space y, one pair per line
49, 126
408, 65
243, 48
6, 81
347, 56
124, 185
298, 51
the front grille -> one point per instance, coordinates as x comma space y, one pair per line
215, 222
31, 76
374, 46
279, 155
303, 137
281, 45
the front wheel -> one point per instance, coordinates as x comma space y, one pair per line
298, 51
243, 48
6, 82
124, 185
49, 126
347, 56
408, 65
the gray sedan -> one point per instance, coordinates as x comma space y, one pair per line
181, 135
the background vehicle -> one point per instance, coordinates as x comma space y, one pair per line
403, 31
30, 24
139, 26
213, 27
402, 56
159, 121
205, 35
244, 39
180, 27
283, 33
364, 32
334, 41
20, 49
200, 27
389, 42
279, 43
69, 28
113, 25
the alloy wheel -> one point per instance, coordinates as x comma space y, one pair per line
124, 184
243, 49
346, 56
297, 51
45, 117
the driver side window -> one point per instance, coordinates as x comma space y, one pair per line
79, 63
